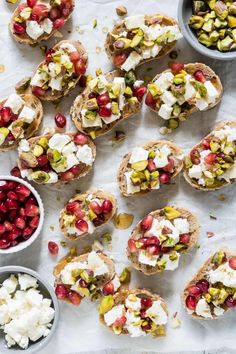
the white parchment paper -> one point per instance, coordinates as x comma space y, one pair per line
79, 329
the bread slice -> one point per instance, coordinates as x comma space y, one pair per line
159, 214
208, 73
83, 55
120, 27
222, 183
120, 297
128, 110
25, 39
85, 169
148, 145
100, 194
101, 280
206, 267
32, 102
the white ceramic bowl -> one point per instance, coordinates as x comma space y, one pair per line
28, 242
48, 292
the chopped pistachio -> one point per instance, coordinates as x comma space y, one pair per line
125, 276
221, 10
172, 123
196, 22
95, 22
106, 304
130, 78
218, 258
121, 11
140, 165
171, 213
22, 85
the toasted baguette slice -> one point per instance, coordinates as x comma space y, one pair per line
202, 274
84, 169
137, 233
127, 112
49, 96
25, 38
220, 183
120, 27
98, 194
209, 75
177, 152
100, 280
34, 103
120, 297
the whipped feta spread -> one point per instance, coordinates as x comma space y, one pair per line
223, 274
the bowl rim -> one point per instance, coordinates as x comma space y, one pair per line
21, 246
214, 54
45, 340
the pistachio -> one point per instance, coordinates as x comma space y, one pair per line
155, 175
133, 100
53, 155
220, 23
130, 78
173, 256
172, 123
4, 131
121, 11
222, 296
225, 44
234, 35
92, 104
151, 154
161, 264
84, 292
147, 175
214, 36
214, 146
176, 110
153, 89
221, 10
12, 1
125, 276
29, 159
208, 298
205, 39
40, 176
43, 142
106, 304
137, 39
38, 150
232, 9
199, 6
140, 165
214, 292
208, 26
218, 258
23, 85
200, 88
231, 21
91, 215
128, 91
211, 4
171, 213
122, 43
196, 22
91, 115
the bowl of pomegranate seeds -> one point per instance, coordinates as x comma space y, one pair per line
21, 214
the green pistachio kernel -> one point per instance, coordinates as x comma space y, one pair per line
171, 213
208, 298
137, 39
91, 215
218, 258
140, 165
43, 142
196, 22
172, 123
222, 296
151, 154
40, 177
155, 175
153, 89
130, 78
38, 150
214, 146
125, 276
214, 292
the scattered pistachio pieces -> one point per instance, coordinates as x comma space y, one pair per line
212, 217
210, 234
173, 55
23, 85
2, 68
106, 304
197, 246
98, 49
125, 276
52, 228
12, 1
123, 221
119, 136
95, 23
98, 71
121, 11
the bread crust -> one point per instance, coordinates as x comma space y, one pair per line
100, 194
148, 145
25, 39
120, 27
83, 55
34, 103
194, 184
128, 111
158, 214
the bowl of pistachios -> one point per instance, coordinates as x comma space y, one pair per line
209, 26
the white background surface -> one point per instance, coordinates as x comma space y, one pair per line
79, 329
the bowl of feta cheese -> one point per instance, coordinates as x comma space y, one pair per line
29, 311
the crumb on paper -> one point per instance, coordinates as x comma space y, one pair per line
52, 228
175, 323
98, 49
164, 131
2, 68
210, 234
212, 216
221, 197
105, 29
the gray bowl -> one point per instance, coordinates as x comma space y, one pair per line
48, 292
184, 14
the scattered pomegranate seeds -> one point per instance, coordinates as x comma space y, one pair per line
74, 298
210, 159
80, 139
61, 291
153, 250
170, 166
103, 99
184, 239
19, 29
15, 172
55, 13
31, 210
195, 156
230, 302
82, 225
60, 120
20, 223
195, 291
42, 160
104, 112
80, 68
191, 302
108, 289
199, 76
146, 302
146, 223
67, 176
203, 284
31, 3
152, 241
146, 327
38, 91
150, 100
53, 247
96, 208
177, 67
83, 283
151, 166
139, 92
72, 207
120, 321
74, 57
58, 23
232, 263
107, 206
165, 178
119, 59
131, 246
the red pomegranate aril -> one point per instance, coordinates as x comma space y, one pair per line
107, 206
38, 91
170, 166
210, 159
8, 226
80, 139
206, 144
12, 195
191, 302
14, 243
103, 99
83, 283
230, 302
203, 284
108, 289
195, 156
6, 114
146, 302
14, 234
143, 313
150, 100
34, 222
184, 239
55, 13
19, 29
21, 7
31, 3
23, 190
34, 17
4, 243
40, 10
120, 321
165, 178
2, 195
80, 68
151, 165
31, 210
31, 201
146, 223
119, 59
12, 214
194, 291
27, 232
96, 208
132, 246
53, 248
105, 112
19, 223
22, 212
92, 95
61, 291
199, 76
72, 207
83, 81
139, 92
60, 120
146, 327
48, 55
2, 229
10, 137
11, 204
74, 298
42, 160
153, 250
67, 176
177, 67
232, 263
66, 12
75, 170
142, 240
46, 167
82, 225
3, 208
15, 172
74, 57
152, 241
99, 220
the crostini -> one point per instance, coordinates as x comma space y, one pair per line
212, 291
149, 166
107, 100
86, 212
34, 21
210, 165
84, 276
56, 158
141, 38
60, 71
182, 90
135, 312
158, 240
20, 117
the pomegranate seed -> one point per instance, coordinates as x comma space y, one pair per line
165, 178
74, 298
191, 302
232, 263
177, 67
6, 114
31, 210
108, 289
34, 17
12, 195
143, 313
80, 68
153, 250
4, 243
203, 284
152, 241
21, 7
55, 13
46, 168
66, 12
67, 176
19, 29
132, 246
58, 23
170, 166
42, 160
184, 239
75, 170
195, 156
120, 321
150, 100
60, 120
10, 137
210, 159
151, 165
139, 92
230, 302
83, 81
195, 291
14, 117
74, 57
2, 229
146, 223
92, 95
31, 201
11, 204
3, 208
99, 220
15, 172
103, 99
4, 185
34, 222
80, 214
2, 195
8, 226
38, 91
12, 215
107, 206
23, 190
27, 232
82, 225
61, 291
53, 247
119, 59
146, 327
40, 10
72, 207
83, 283
199, 76
96, 208
80, 139
205, 144
14, 234
146, 302
48, 55
19, 223
31, 3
